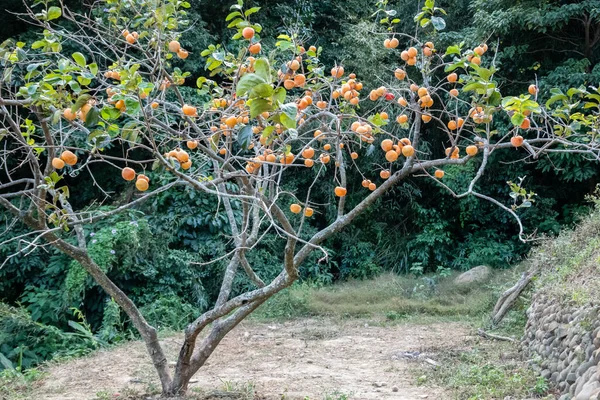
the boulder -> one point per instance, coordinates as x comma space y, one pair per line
477, 274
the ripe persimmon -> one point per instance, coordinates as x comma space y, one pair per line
255, 48
190, 111
308, 212
340, 191
289, 84
408, 151
386, 145
308, 153
231, 121
248, 33
453, 77
142, 185
69, 157
309, 163
526, 124
412, 52
69, 114
439, 173
57, 163
354, 155
300, 80
128, 174
337, 72
517, 141
192, 144
295, 208
472, 150
532, 90
372, 186
385, 174
391, 155
454, 92
174, 46
183, 54
400, 74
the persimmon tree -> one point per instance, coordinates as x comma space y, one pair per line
267, 114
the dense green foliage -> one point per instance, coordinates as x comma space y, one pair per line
159, 253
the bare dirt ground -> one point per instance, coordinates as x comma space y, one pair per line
289, 360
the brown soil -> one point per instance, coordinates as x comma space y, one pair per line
290, 360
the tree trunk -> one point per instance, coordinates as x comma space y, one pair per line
509, 297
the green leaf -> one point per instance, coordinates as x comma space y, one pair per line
132, 106
5, 362
79, 59
438, 23
54, 13
263, 90
474, 86
424, 22
232, 15
244, 137
517, 119
110, 113
259, 106
263, 69
81, 100
93, 68
452, 50
99, 138
92, 117
251, 11
495, 99
247, 83
288, 115
419, 16
279, 96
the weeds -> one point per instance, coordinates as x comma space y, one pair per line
391, 296
489, 370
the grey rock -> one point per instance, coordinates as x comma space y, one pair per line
587, 391
584, 367
477, 274
546, 373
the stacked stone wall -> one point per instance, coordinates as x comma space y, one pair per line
562, 342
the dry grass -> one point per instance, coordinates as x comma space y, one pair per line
569, 264
395, 297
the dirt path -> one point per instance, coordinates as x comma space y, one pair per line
300, 358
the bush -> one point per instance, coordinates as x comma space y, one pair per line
25, 343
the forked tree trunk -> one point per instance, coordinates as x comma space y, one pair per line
509, 297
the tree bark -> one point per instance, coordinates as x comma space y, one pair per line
509, 297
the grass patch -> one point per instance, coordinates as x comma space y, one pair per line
15, 385
489, 370
569, 264
394, 297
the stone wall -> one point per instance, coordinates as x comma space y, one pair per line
562, 342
